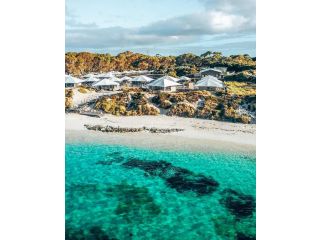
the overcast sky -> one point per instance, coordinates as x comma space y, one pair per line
167, 27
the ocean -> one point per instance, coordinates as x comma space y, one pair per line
121, 192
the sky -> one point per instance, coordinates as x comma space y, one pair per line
166, 27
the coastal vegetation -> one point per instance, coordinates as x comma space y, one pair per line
68, 98
185, 64
196, 104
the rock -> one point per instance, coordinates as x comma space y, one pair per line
125, 130
238, 204
180, 179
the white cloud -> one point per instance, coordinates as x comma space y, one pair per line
220, 18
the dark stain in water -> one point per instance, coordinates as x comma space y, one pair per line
241, 236
180, 179
134, 203
93, 233
238, 204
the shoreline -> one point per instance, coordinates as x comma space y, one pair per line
200, 135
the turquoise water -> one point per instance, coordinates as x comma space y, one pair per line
118, 192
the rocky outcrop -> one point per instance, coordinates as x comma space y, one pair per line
128, 130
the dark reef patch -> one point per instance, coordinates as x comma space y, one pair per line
241, 236
94, 233
180, 179
134, 203
116, 158
240, 205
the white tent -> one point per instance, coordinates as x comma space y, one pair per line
105, 82
115, 79
105, 75
126, 78
184, 79
209, 82
142, 79
163, 83
90, 80
89, 75
71, 81
170, 78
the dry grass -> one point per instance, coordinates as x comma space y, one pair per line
241, 88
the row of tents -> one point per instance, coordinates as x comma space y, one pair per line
165, 83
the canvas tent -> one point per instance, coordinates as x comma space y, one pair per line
106, 84
72, 81
105, 75
164, 84
90, 80
141, 80
169, 78
89, 75
209, 83
184, 79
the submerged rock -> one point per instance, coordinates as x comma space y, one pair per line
195, 183
135, 204
180, 179
93, 233
241, 236
238, 204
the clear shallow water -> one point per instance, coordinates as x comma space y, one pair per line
118, 192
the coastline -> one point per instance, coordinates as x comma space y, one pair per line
200, 135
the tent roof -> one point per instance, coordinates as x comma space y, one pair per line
169, 78
91, 79
89, 75
73, 80
211, 69
115, 79
105, 75
106, 82
184, 78
210, 81
163, 82
126, 78
142, 78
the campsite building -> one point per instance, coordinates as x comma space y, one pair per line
107, 84
164, 84
209, 83
72, 81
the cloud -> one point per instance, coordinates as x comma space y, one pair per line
72, 22
221, 18
117, 37
205, 23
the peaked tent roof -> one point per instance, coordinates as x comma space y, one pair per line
115, 79
126, 78
163, 82
169, 78
142, 78
222, 69
73, 80
184, 78
210, 69
105, 75
106, 82
89, 75
91, 79
210, 81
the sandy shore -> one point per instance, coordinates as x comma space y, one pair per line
199, 134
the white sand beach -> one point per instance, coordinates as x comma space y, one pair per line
199, 134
